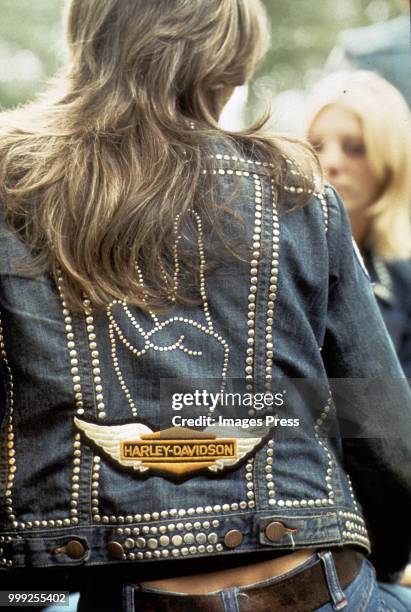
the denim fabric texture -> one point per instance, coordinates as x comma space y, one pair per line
392, 288
300, 306
366, 594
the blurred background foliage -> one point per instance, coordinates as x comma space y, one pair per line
31, 47
303, 33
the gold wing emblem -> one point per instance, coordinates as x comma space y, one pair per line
109, 438
245, 446
176, 453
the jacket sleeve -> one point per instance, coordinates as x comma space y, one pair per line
357, 347
404, 350
404, 353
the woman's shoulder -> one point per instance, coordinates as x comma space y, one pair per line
291, 184
287, 166
228, 154
12, 247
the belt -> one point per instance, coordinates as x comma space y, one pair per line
304, 590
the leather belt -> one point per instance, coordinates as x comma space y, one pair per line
304, 591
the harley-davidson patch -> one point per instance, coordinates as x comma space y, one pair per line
175, 452
183, 450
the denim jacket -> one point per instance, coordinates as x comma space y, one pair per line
392, 289
75, 385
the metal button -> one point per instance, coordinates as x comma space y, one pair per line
115, 550
75, 549
233, 538
275, 531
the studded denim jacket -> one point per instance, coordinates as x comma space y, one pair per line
73, 384
392, 289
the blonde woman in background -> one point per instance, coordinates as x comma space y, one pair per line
360, 126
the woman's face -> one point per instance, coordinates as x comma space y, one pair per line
337, 136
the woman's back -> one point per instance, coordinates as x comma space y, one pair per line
154, 269
88, 393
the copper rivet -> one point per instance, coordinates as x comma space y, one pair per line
115, 550
275, 531
75, 549
233, 538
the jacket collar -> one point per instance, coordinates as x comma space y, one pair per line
381, 277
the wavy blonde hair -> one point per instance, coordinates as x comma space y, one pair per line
94, 174
386, 124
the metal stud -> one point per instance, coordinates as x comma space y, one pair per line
189, 538
201, 538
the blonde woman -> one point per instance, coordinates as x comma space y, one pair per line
140, 243
360, 126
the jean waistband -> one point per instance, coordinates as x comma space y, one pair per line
320, 579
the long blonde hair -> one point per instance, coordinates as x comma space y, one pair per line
94, 174
386, 124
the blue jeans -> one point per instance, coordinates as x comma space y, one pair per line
363, 594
